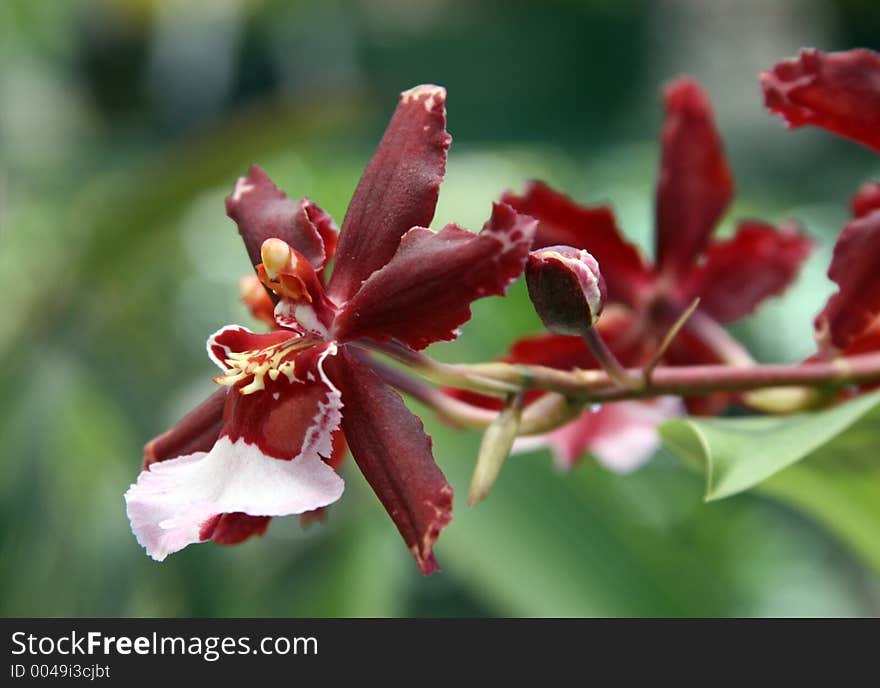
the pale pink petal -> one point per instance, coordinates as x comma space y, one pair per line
621, 435
174, 501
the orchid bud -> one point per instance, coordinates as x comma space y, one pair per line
495, 448
566, 288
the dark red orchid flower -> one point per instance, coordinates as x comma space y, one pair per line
731, 277
839, 92
266, 444
849, 322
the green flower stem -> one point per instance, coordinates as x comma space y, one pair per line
547, 413
462, 377
609, 362
453, 410
597, 386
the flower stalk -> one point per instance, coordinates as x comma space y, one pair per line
608, 361
597, 386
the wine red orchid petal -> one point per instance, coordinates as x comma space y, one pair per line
867, 198
866, 342
233, 529
621, 435
279, 418
594, 228
397, 191
553, 350
326, 227
196, 432
262, 211
393, 452
424, 292
695, 184
838, 91
758, 262
855, 306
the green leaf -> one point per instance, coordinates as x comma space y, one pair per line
845, 501
739, 453
831, 462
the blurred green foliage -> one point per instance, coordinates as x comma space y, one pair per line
124, 124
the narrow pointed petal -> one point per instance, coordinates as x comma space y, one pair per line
197, 431
262, 211
866, 199
758, 262
278, 422
839, 92
621, 435
594, 228
397, 191
852, 310
392, 450
695, 185
424, 293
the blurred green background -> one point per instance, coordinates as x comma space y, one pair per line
124, 124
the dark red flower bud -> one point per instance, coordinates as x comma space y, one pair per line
566, 288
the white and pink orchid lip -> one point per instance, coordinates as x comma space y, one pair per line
174, 502
280, 416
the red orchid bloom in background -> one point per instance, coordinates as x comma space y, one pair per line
266, 444
849, 323
840, 92
730, 276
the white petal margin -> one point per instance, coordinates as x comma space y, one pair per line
173, 500
212, 342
